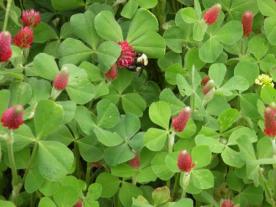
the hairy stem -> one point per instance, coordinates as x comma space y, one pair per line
10, 141
8, 8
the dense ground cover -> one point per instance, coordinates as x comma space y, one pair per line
137, 103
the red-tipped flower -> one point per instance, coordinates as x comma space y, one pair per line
78, 204
128, 55
135, 162
205, 80
211, 15
30, 18
247, 23
227, 203
179, 122
270, 121
61, 80
5, 46
24, 38
112, 73
208, 87
185, 162
12, 118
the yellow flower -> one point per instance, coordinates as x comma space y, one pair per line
264, 80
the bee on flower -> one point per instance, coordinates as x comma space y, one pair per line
264, 80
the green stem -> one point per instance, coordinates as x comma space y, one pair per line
161, 13
8, 8
192, 101
171, 141
267, 189
77, 157
87, 175
274, 150
30, 162
185, 184
170, 150
10, 141
175, 185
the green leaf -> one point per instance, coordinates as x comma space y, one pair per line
44, 66
61, 134
160, 114
63, 5
161, 195
147, 4
236, 83
23, 137
89, 151
123, 170
50, 111
155, 139
129, 9
188, 15
108, 138
246, 148
105, 23
160, 168
94, 191
7, 203
150, 43
44, 33
199, 30
108, 53
108, 114
146, 175
251, 196
46, 202
268, 94
267, 8
105, 179
213, 143
171, 161
202, 156
230, 33
210, 50
270, 29
142, 17
264, 148
21, 93
118, 154
68, 191
242, 131
248, 70
232, 158
69, 108
41, 89
258, 46
33, 180
79, 88
202, 178
83, 27
84, 119
174, 40
54, 160
128, 126
192, 59
127, 192
227, 118
73, 51
187, 202
217, 73
133, 103
5, 98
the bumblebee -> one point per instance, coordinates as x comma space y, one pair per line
141, 61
